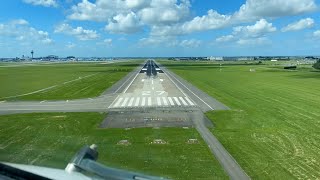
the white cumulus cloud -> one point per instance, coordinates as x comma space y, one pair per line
164, 12
79, 32
121, 15
251, 11
261, 28
299, 25
226, 38
168, 41
254, 34
173, 17
253, 41
46, 3
316, 34
124, 24
256, 9
19, 30
213, 20
190, 43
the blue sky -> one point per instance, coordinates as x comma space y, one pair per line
115, 28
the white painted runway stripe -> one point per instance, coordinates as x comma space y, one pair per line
159, 101
137, 101
189, 101
177, 101
131, 102
149, 101
130, 83
143, 103
125, 102
118, 102
171, 101
152, 101
112, 104
183, 101
165, 102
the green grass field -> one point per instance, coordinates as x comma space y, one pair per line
273, 129
67, 80
52, 139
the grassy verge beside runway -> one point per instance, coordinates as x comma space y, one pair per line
52, 139
273, 128
60, 81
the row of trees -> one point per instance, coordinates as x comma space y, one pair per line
317, 65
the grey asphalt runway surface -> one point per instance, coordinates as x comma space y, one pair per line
145, 98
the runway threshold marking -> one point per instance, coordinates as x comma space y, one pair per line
189, 101
143, 103
124, 102
183, 101
159, 101
171, 101
131, 102
152, 101
118, 102
177, 101
149, 101
165, 102
137, 101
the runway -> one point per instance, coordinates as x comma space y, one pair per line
156, 91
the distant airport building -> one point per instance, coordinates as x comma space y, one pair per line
245, 58
50, 58
214, 58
